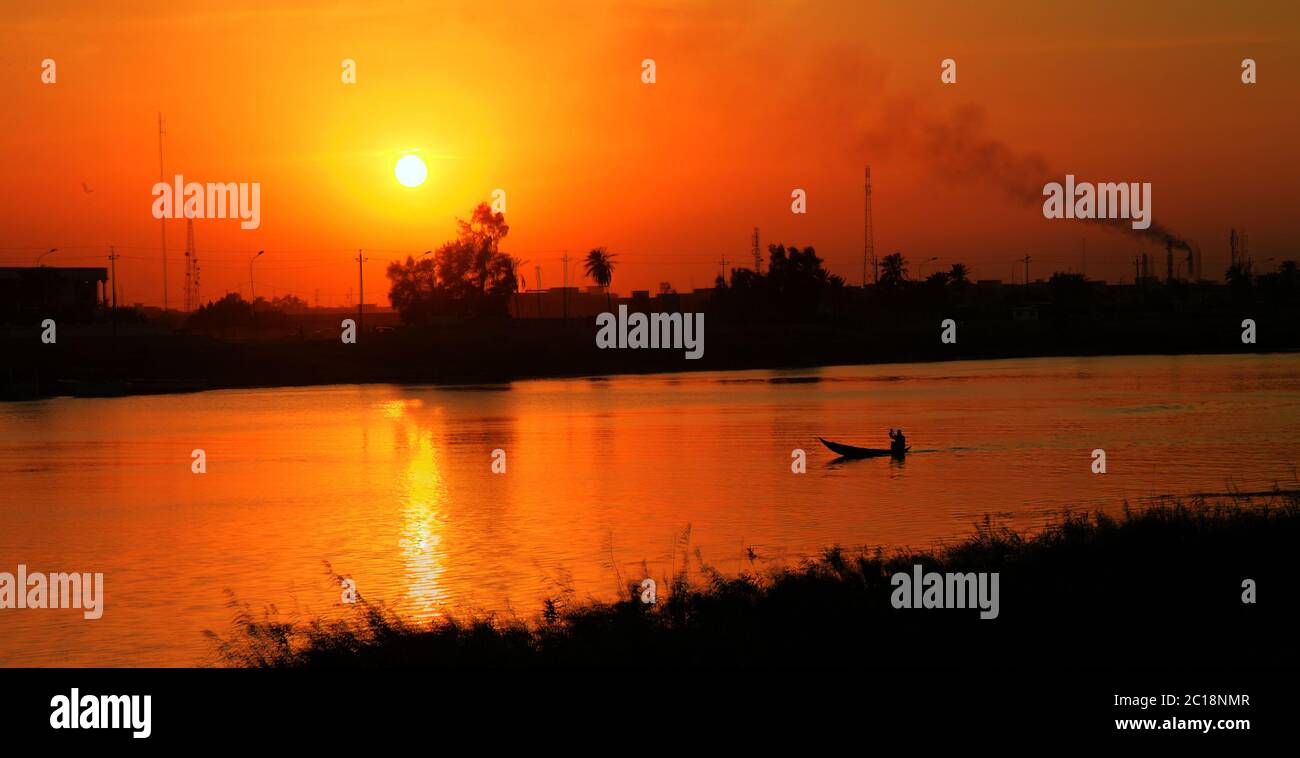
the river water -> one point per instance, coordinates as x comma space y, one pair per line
605, 480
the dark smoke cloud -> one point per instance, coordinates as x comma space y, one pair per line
957, 149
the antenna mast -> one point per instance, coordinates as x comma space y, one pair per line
191, 268
162, 223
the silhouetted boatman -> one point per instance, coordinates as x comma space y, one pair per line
897, 442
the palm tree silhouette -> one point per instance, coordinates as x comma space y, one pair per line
600, 267
893, 271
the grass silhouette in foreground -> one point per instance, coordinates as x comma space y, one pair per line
1159, 585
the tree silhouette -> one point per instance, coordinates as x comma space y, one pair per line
1239, 280
233, 312
600, 267
794, 287
958, 276
893, 271
468, 276
1280, 285
289, 303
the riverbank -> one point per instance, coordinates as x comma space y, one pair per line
90, 363
1202, 582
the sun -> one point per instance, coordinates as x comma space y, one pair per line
410, 171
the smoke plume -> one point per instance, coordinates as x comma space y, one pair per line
957, 149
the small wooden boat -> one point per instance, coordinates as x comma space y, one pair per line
849, 451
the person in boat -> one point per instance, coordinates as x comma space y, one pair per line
898, 443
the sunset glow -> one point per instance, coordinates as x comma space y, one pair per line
553, 111
921, 371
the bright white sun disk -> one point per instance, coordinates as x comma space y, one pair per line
411, 171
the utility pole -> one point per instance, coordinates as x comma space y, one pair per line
162, 223
868, 239
520, 283
758, 257
723, 263
361, 288
564, 291
1026, 262
1137, 276
196, 295
1084, 242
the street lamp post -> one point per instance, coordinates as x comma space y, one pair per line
252, 285
41, 257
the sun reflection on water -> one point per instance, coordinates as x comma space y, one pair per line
423, 494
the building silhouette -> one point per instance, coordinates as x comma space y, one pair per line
42, 292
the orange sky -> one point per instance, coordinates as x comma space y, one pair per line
752, 100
